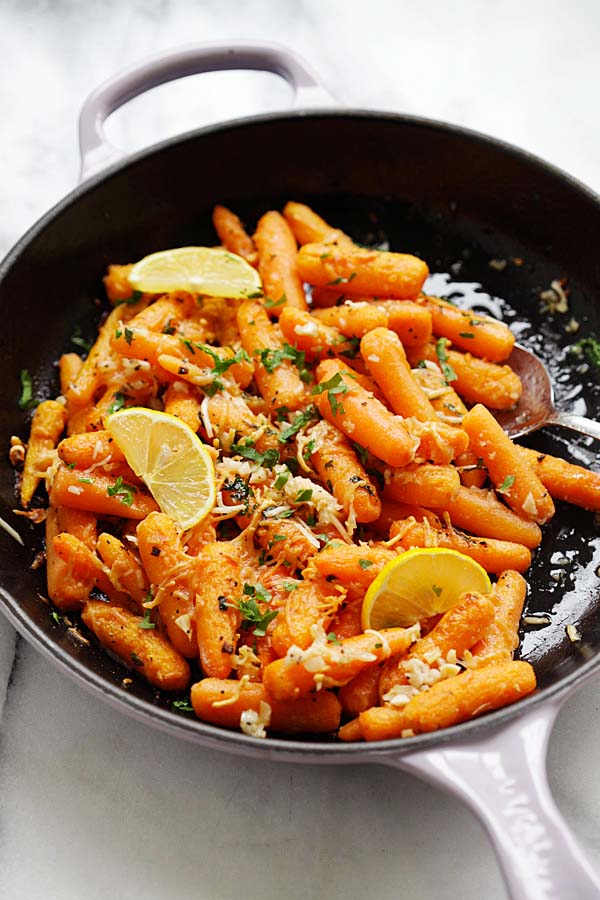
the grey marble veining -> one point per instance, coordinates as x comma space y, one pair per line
92, 804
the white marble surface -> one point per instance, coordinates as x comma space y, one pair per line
93, 805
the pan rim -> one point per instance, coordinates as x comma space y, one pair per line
212, 736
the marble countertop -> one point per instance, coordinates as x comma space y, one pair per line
94, 805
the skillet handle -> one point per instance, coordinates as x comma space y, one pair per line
97, 152
502, 778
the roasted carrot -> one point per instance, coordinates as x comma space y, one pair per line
362, 692
101, 493
452, 701
116, 283
480, 512
564, 480
501, 637
314, 337
339, 468
146, 651
372, 272
69, 366
83, 572
351, 564
233, 235
442, 396
124, 570
309, 227
469, 331
384, 354
307, 604
183, 400
217, 606
353, 319
393, 511
510, 472
47, 425
495, 556
471, 468
92, 449
276, 247
423, 485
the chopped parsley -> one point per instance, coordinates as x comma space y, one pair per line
55, 617
352, 347
128, 335
122, 490
79, 341
304, 496
118, 403
466, 334
252, 615
281, 480
333, 387
271, 359
332, 638
365, 563
255, 295
268, 459
26, 400
85, 480
591, 347
183, 706
136, 296
506, 484
342, 280
300, 420
442, 355
136, 660
270, 304
290, 585
146, 624
361, 452
436, 590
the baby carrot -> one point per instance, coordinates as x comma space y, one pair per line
477, 380
276, 247
473, 333
229, 418
384, 354
480, 512
217, 613
286, 542
222, 702
125, 572
310, 603
442, 396
471, 468
509, 470
351, 564
495, 556
347, 619
96, 448
315, 338
328, 664
69, 366
100, 493
147, 651
564, 480
183, 400
338, 467
423, 485
116, 283
501, 637
362, 692
83, 572
66, 590
277, 377
353, 319
392, 511
410, 321
47, 425
452, 701
78, 522
233, 235
361, 417
309, 227
373, 272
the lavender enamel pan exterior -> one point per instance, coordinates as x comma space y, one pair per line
455, 198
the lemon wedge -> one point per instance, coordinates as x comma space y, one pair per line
200, 270
418, 584
171, 460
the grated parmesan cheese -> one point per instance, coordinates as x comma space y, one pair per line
310, 328
255, 723
573, 633
529, 505
74, 489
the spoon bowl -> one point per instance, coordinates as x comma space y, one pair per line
536, 407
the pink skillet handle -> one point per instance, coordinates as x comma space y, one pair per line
97, 152
502, 778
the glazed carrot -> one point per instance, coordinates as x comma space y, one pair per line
65, 591
410, 321
472, 471
96, 448
442, 396
166, 313
233, 235
353, 319
384, 354
509, 470
173, 575
276, 247
183, 400
365, 381
338, 467
47, 425
495, 556
477, 380
308, 604
317, 714
351, 731
423, 485
116, 283
362, 692
458, 630
392, 511
469, 331
347, 619
480, 512
331, 664
313, 336
278, 380
144, 650
374, 272
69, 366
309, 227
286, 542
83, 572
217, 615
91, 492
125, 572
564, 480
323, 298
351, 564
452, 701
501, 638
78, 522
229, 418
361, 417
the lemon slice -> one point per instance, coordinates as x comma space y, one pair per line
171, 460
200, 270
418, 584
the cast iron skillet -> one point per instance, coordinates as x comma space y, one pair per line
452, 196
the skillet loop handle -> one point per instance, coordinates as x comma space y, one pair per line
503, 780
97, 152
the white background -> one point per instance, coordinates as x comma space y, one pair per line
93, 805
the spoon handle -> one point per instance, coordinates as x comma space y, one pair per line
576, 423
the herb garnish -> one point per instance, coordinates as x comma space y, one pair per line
365, 563
506, 484
26, 400
118, 403
122, 490
268, 459
252, 615
146, 624
342, 280
300, 420
79, 341
334, 386
442, 355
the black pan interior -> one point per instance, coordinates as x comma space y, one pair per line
451, 197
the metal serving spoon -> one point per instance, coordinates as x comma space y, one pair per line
536, 406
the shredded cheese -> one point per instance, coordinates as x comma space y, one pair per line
255, 723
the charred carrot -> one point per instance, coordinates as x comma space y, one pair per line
276, 247
233, 235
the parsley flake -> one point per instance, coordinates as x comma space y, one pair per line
118, 403
79, 341
146, 624
332, 638
442, 355
26, 400
506, 484
365, 563
122, 490
333, 387
436, 590
252, 615
183, 706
